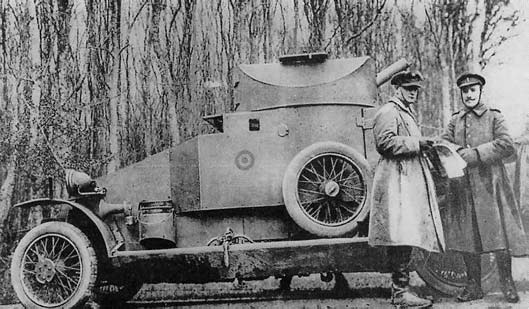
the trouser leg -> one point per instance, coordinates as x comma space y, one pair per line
504, 262
399, 258
473, 265
473, 289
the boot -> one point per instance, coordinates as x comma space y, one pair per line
402, 296
473, 289
504, 262
471, 292
399, 258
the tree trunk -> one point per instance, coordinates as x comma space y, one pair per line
66, 79
34, 54
165, 64
294, 45
399, 34
184, 65
316, 12
445, 90
115, 28
477, 26
267, 20
6, 190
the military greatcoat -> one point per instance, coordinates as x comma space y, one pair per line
482, 214
404, 210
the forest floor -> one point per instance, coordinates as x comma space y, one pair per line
365, 290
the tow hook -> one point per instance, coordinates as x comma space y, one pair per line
227, 239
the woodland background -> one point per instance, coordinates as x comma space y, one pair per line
96, 85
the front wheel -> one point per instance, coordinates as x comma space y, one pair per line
54, 266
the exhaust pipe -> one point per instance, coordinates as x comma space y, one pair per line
384, 75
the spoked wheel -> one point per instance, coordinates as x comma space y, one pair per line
54, 266
326, 189
446, 272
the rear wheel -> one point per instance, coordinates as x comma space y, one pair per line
54, 266
326, 189
446, 272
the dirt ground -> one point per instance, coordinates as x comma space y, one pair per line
366, 290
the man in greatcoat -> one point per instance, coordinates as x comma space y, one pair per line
404, 211
482, 215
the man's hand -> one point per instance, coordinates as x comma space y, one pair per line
470, 155
425, 144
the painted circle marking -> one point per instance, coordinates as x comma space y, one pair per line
244, 160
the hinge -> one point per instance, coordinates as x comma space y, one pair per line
365, 123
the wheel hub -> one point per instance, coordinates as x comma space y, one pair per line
331, 188
45, 270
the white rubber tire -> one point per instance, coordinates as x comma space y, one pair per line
290, 188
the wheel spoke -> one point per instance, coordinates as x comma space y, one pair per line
324, 207
347, 209
44, 243
53, 244
311, 169
58, 255
310, 191
70, 268
308, 179
29, 260
313, 201
68, 279
354, 197
338, 211
28, 271
340, 173
353, 187
312, 209
70, 255
61, 285
353, 176
333, 166
332, 212
36, 252
310, 182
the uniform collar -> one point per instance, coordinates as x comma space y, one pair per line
479, 110
409, 109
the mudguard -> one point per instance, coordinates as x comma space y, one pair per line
103, 228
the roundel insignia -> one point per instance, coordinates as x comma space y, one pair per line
244, 160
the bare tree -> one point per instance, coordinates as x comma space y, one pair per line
490, 25
315, 12
114, 81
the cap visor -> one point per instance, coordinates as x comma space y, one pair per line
469, 84
412, 84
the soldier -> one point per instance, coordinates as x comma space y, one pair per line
404, 211
482, 215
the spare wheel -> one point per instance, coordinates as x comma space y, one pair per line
326, 189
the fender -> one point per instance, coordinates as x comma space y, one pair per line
103, 228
